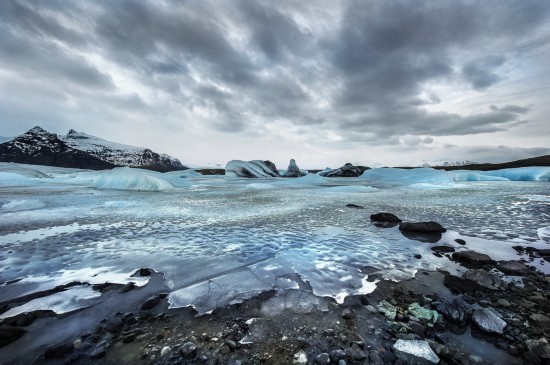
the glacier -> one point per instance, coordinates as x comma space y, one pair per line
234, 239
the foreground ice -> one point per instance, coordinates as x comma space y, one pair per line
221, 240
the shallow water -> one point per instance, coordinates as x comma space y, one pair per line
223, 240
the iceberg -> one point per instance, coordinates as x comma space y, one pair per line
420, 177
348, 170
309, 179
251, 169
293, 170
466, 175
127, 178
541, 173
10, 179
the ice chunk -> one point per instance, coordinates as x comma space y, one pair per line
255, 168
9, 179
323, 172
126, 178
522, 173
465, 175
259, 186
309, 179
62, 302
352, 189
394, 176
184, 173
19, 205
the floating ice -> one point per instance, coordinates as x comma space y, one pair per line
126, 178
18, 205
184, 173
351, 189
259, 186
393, 176
10, 179
522, 173
465, 175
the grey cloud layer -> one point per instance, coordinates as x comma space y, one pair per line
356, 69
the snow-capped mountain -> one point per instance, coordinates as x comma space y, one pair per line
120, 154
79, 150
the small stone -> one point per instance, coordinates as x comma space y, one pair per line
488, 320
337, 355
129, 338
150, 302
144, 271
422, 313
418, 256
165, 350
300, 358
356, 353
460, 241
322, 359
188, 349
224, 350
348, 313
443, 249
472, 258
415, 352
371, 309
126, 288
503, 303
355, 206
389, 310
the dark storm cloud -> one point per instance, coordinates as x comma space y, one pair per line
356, 69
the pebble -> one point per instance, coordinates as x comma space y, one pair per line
300, 358
165, 350
188, 349
322, 359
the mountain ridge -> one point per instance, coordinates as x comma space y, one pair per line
81, 150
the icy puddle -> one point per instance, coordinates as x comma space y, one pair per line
220, 240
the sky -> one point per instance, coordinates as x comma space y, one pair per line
376, 83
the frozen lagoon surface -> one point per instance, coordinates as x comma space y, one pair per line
220, 240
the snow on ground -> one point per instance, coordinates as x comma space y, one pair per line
235, 237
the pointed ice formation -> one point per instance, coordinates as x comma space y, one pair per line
293, 170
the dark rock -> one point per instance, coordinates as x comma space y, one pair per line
460, 241
531, 358
472, 259
483, 278
126, 288
385, 217
348, 170
354, 206
188, 349
348, 313
540, 348
356, 353
129, 338
322, 359
424, 227
418, 256
145, 271
443, 249
337, 355
150, 302
58, 351
513, 267
453, 311
540, 320
426, 237
114, 326
8, 334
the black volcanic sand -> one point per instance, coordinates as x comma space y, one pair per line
134, 325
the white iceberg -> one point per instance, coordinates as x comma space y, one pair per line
466, 175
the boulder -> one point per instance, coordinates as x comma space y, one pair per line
415, 352
293, 170
513, 267
540, 347
8, 334
424, 227
348, 170
540, 320
442, 249
472, 259
454, 311
483, 278
385, 218
489, 320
